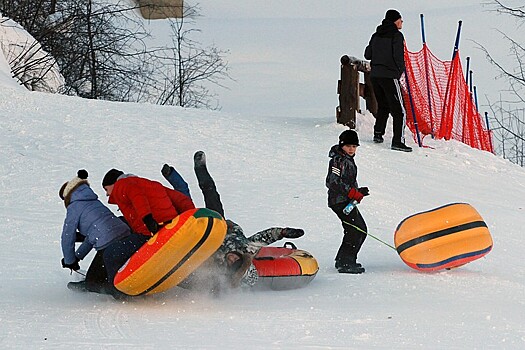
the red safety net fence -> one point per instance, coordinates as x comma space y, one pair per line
439, 103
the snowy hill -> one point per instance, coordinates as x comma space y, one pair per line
269, 172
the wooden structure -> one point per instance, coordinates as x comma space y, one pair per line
350, 89
161, 9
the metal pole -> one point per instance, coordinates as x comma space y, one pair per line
456, 44
447, 91
425, 57
413, 110
468, 67
476, 98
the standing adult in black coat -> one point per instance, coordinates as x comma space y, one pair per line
386, 54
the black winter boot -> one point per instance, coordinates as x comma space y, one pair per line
400, 147
339, 264
378, 138
354, 268
203, 176
78, 286
166, 170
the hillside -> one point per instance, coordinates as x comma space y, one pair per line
269, 172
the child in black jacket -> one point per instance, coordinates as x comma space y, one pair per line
343, 189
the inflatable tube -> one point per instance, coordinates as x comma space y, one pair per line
285, 267
442, 238
173, 253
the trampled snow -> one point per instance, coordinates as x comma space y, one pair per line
269, 172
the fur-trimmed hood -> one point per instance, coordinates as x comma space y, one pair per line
69, 187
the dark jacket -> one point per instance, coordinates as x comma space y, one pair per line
137, 197
342, 176
93, 220
386, 51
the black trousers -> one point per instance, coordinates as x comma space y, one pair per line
96, 275
389, 101
354, 228
118, 252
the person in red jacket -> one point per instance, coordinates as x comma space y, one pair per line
145, 204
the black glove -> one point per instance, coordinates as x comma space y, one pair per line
151, 224
73, 266
364, 191
289, 232
80, 237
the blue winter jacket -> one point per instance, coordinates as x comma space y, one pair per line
93, 220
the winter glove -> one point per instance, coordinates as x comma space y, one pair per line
354, 194
364, 191
80, 237
289, 232
73, 266
151, 224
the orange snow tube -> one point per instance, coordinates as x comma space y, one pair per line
285, 267
172, 253
441, 238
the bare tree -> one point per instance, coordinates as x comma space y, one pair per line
101, 49
508, 114
189, 68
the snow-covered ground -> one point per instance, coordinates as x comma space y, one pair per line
269, 172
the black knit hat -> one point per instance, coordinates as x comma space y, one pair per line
348, 137
392, 15
111, 177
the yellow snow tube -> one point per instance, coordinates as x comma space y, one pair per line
445, 237
172, 253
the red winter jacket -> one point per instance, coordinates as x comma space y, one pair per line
137, 197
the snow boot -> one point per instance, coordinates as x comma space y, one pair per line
339, 264
400, 147
289, 232
203, 176
351, 268
166, 170
78, 286
378, 138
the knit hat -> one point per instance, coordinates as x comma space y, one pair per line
392, 15
111, 177
348, 137
69, 187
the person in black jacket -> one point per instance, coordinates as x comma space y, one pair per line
386, 54
343, 189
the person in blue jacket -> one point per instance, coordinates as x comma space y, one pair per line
90, 222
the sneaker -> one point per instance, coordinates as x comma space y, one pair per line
77, 286
401, 147
378, 138
354, 269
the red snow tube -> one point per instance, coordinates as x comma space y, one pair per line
285, 267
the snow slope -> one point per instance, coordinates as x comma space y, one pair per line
269, 171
